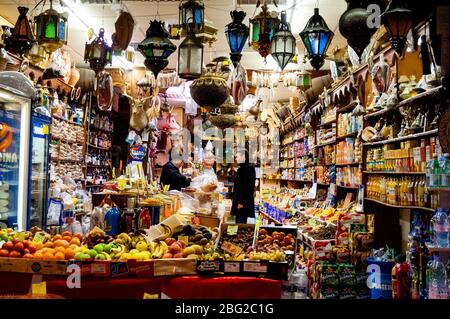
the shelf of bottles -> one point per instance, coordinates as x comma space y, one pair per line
98, 148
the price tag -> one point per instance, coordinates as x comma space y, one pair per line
232, 229
184, 239
150, 296
38, 237
232, 267
230, 248
39, 289
45, 129
255, 267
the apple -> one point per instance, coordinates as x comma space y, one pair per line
16, 240
9, 246
4, 253
169, 241
15, 254
26, 251
27, 256
32, 248
26, 243
175, 248
182, 244
18, 246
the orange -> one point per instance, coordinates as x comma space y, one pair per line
64, 243
67, 238
49, 255
59, 256
48, 244
79, 236
67, 233
38, 255
75, 241
49, 251
60, 249
38, 246
69, 254
57, 237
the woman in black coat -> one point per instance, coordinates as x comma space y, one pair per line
244, 192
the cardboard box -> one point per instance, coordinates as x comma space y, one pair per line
209, 221
33, 266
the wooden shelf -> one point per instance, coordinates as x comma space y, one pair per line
393, 173
327, 123
69, 161
348, 187
398, 206
98, 147
433, 249
349, 164
98, 166
402, 138
67, 121
347, 108
327, 143
100, 129
65, 141
343, 137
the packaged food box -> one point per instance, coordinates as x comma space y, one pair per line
347, 275
329, 292
328, 274
347, 292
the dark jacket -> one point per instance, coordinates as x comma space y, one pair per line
171, 175
243, 191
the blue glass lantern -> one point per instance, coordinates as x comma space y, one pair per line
156, 47
237, 34
263, 26
192, 16
316, 37
283, 43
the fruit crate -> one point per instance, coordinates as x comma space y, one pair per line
286, 230
33, 266
174, 267
223, 229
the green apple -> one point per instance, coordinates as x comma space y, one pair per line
100, 257
99, 248
92, 253
107, 248
79, 256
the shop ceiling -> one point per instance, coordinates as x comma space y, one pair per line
83, 13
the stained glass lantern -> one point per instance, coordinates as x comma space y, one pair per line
156, 47
316, 37
237, 35
192, 15
22, 38
98, 53
283, 43
262, 29
51, 29
190, 58
398, 20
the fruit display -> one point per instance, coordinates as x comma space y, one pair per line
17, 249
274, 255
329, 214
242, 239
274, 241
323, 232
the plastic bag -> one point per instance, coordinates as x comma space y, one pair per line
55, 210
207, 182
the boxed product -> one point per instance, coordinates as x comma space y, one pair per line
328, 274
342, 254
347, 275
347, 292
329, 292
362, 241
344, 223
323, 250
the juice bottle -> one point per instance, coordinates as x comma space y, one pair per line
421, 193
416, 192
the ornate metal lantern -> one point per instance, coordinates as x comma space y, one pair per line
156, 47
398, 20
192, 15
263, 27
22, 38
51, 29
98, 53
283, 43
190, 58
237, 35
316, 37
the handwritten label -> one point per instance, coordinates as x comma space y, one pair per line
150, 296
230, 248
232, 267
255, 267
39, 289
232, 229
184, 239
38, 237
209, 266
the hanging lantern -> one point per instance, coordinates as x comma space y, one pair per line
237, 35
156, 47
353, 25
36, 54
263, 27
22, 38
190, 58
304, 80
398, 20
283, 43
316, 37
192, 15
98, 53
51, 29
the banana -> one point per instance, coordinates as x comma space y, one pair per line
156, 252
108, 257
126, 239
160, 250
151, 247
164, 247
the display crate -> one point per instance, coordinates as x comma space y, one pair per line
33, 266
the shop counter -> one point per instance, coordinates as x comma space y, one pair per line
183, 287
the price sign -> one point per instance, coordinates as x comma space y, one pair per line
39, 289
230, 248
38, 237
150, 296
20, 235
232, 229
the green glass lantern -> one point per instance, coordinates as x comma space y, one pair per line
156, 47
51, 29
98, 53
262, 29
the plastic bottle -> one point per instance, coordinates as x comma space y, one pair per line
301, 284
436, 172
445, 171
401, 281
437, 284
440, 228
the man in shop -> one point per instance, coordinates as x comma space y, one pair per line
171, 174
244, 189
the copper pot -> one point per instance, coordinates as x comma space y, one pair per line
209, 90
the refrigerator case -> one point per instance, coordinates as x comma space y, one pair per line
39, 157
15, 120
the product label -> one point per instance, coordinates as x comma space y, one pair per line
233, 267
255, 267
184, 239
231, 248
38, 237
39, 289
232, 229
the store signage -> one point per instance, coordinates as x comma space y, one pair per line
209, 266
6, 136
137, 152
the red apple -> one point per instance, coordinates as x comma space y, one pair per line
175, 248
26, 243
169, 241
182, 244
4, 253
18, 246
26, 251
16, 240
27, 256
32, 248
9, 246
15, 254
